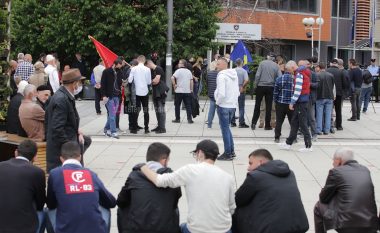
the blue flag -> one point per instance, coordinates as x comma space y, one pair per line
240, 51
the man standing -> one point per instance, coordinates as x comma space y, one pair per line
98, 71
213, 63
282, 95
266, 75
207, 212
23, 190
340, 86
80, 64
160, 90
32, 116
183, 84
211, 86
366, 92
111, 90
314, 81
356, 80
160, 212
269, 199
78, 195
141, 77
25, 68
226, 98
374, 70
347, 202
299, 103
325, 98
243, 81
52, 73
63, 119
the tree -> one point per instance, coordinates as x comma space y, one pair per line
128, 27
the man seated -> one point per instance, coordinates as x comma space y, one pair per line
347, 202
22, 191
13, 121
209, 190
77, 195
269, 199
160, 211
43, 95
32, 116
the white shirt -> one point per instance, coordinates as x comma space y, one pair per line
52, 73
98, 71
71, 161
210, 196
183, 78
22, 158
142, 77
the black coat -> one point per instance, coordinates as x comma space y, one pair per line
61, 126
269, 202
13, 119
144, 208
349, 195
111, 83
22, 192
340, 81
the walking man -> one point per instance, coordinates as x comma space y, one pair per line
266, 75
366, 92
356, 80
374, 69
299, 103
226, 98
243, 81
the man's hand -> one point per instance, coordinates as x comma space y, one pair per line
241, 90
97, 86
105, 99
291, 107
81, 139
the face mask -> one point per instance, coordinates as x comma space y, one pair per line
78, 90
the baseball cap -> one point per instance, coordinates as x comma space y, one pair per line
208, 147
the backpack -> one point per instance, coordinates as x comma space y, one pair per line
367, 77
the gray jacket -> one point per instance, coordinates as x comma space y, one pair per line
267, 73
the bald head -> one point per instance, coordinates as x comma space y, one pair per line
28, 58
342, 156
221, 64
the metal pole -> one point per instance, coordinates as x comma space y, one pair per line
312, 41
320, 31
373, 13
169, 55
354, 23
9, 30
337, 29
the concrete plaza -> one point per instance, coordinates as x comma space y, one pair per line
113, 159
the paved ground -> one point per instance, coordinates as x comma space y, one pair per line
113, 159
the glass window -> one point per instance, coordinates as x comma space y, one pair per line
344, 8
307, 6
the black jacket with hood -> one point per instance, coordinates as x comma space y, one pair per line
144, 208
269, 201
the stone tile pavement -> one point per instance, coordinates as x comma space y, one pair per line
113, 159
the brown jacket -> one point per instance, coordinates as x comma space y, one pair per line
32, 118
38, 78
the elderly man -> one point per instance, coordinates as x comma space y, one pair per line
374, 70
52, 73
260, 201
32, 116
347, 202
25, 68
43, 95
13, 121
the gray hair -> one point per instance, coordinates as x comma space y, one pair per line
345, 154
30, 88
340, 62
20, 56
290, 64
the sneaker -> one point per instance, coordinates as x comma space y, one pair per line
339, 128
315, 138
233, 124
332, 131
160, 131
233, 155
146, 131
206, 122
253, 126
133, 131
277, 140
261, 125
176, 121
225, 157
310, 149
139, 127
107, 133
114, 135
284, 146
190, 121
325, 133
244, 125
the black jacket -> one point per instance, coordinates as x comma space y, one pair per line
326, 86
22, 193
269, 201
144, 208
81, 65
61, 126
339, 80
13, 120
349, 194
111, 83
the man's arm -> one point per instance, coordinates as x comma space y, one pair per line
245, 193
58, 121
173, 78
54, 80
220, 91
51, 200
314, 81
297, 89
172, 180
103, 84
276, 90
131, 75
258, 74
148, 77
232, 205
191, 85
40, 194
124, 197
38, 113
331, 187
156, 79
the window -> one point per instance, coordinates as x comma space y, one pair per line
344, 8
306, 6
377, 9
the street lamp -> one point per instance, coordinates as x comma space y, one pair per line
309, 23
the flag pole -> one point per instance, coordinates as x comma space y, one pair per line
169, 54
337, 29
373, 19
354, 23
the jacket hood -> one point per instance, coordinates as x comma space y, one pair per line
231, 73
276, 167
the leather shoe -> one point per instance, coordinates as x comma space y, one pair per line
159, 131
133, 131
233, 124
268, 128
351, 119
190, 121
155, 129
176, 121
244, 126
253, 126
332, 131
147, 131
339, 128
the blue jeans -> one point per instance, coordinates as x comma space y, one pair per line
211, 112
106, 216
184, 229
324, 108
366, 96
241, 101
225, 116
112, 105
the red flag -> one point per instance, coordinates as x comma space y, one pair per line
105, 53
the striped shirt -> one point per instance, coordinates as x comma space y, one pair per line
24, 70
211, 82
297, 89
283, 88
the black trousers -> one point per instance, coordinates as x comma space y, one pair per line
338, 111
262, 91
98, 96
159, 108
186, 97
375, 85
142, 102
282, 110
355, 103
299, 121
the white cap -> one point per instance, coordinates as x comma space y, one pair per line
50, 58
21, 86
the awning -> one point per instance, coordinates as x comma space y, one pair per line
360, 45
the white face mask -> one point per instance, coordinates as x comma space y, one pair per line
78, 90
